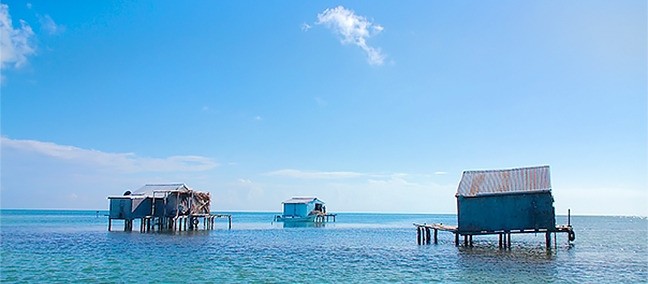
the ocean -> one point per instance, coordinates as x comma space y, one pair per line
62, 246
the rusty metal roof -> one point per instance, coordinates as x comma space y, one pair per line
474, 183
150, 189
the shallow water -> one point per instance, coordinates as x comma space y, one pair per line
65, 246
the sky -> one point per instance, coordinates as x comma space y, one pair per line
370, 106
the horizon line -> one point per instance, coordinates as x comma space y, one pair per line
335, 212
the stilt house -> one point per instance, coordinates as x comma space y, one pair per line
302, 207
505, 200
163, 205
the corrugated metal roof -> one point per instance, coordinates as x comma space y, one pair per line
527, 179
301, 200
149, 189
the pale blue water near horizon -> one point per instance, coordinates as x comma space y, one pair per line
61, 246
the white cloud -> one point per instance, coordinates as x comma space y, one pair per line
16, 44
440, 173
353, 29
122, 162
292, 173
305, 27
48, 25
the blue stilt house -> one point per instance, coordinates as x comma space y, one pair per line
304, 209
502, 202
505, 200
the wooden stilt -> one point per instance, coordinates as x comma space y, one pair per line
427, 235
109, 224
456, 239
548, 240
418, 235
465, 240
435, 236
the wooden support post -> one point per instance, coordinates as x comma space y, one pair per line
427, 235
465, 240
456, 239
109, 223
500, 240
435, 236
509, 240
548, 240
230, 221
470, 240
418, 235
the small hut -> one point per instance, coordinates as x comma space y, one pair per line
169, 206
304, 209
502, 202
505, 200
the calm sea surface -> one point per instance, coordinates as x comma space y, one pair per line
64, 246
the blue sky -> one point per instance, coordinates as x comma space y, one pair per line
372, 107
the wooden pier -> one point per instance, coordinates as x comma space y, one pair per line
175, 224
425, 234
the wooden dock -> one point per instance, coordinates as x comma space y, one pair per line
177, 223
424, 234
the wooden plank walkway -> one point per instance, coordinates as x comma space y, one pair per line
425, 236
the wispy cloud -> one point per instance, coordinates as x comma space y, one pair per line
353, 29
16, 44
305, 27
51, 27
292, 173
122, 162
440, 173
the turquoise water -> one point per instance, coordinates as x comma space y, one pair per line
64, 246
